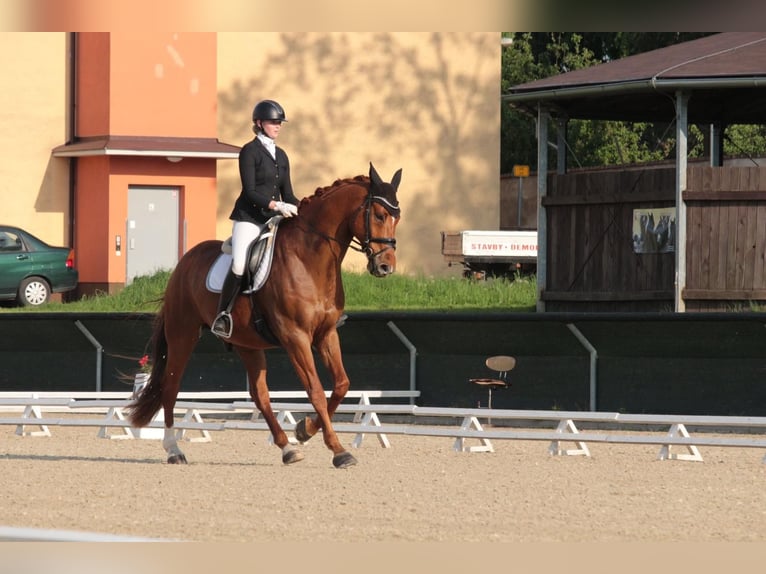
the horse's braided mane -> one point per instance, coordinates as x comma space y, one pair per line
320, 191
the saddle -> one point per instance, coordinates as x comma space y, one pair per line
260, 254
259, 259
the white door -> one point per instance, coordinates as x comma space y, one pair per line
152, 230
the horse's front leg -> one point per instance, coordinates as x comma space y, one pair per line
329, 349
330, 353
255, 363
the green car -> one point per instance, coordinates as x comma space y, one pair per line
30, 269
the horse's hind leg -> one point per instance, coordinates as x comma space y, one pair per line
255, 363
181, 343
170, 444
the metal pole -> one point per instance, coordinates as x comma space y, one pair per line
413, 356
593, 361
99, 351
520, 201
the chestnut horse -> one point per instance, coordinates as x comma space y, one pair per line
301, 303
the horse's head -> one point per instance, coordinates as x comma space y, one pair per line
378, 226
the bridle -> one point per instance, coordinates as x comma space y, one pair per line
364, 246
388, 242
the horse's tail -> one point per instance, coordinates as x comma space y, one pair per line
142, 410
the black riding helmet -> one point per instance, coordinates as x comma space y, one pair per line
268, 110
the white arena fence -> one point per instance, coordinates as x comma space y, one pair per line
198, 414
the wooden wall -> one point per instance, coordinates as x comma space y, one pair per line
592, 264
726, 237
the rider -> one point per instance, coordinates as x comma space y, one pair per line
265, 173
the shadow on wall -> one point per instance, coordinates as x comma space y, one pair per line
378, 96
53, 199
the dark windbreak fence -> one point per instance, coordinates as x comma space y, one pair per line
696, 363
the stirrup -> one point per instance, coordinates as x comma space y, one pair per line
223, 325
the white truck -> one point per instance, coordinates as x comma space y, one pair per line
491, 253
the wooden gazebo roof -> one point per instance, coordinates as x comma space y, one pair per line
725, 75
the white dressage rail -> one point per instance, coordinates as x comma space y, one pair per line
460, 424
32, 406
675, 430
197, 395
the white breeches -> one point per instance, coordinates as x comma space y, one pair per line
243, 233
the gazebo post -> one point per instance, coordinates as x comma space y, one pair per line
543, 117
682, 101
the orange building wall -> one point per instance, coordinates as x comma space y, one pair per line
198, 199
103, 204
91, 207
164, 84
92, 84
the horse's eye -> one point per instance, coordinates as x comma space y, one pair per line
380, 218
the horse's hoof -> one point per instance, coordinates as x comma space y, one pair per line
177, 459
301, 433
292, 456
343, 460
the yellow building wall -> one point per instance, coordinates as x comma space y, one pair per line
426, 102
34, 187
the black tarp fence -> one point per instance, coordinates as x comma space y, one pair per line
701, 363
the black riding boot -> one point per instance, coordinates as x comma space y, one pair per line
223, 324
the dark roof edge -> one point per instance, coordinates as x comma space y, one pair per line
650, 84
148, 146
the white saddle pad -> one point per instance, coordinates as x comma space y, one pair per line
222, 264
218, 272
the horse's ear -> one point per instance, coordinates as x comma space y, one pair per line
374, 177
396, 179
